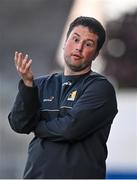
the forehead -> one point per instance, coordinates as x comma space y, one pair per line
84, 32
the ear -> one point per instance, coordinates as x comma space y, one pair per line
95, 55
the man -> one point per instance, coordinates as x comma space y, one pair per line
70, 113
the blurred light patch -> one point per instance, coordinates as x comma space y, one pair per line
116, 47
115, 8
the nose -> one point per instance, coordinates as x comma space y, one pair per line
79, 46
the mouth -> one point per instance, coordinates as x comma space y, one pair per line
77, 56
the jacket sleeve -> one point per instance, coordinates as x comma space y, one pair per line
95, 109
25, 112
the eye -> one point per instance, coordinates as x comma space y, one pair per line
76, 39
89, 44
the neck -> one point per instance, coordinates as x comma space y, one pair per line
69, 72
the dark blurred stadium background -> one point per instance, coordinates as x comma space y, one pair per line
120, 54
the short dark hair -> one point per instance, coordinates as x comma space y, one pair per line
94, 26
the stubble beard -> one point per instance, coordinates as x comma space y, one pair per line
77, 68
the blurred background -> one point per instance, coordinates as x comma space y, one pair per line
38, 28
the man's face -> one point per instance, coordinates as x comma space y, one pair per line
80, 48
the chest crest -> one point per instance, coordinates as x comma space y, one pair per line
72, 96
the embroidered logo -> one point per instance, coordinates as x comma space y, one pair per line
48, 99
72, 96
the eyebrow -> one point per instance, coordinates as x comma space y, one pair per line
86, 39
76, 34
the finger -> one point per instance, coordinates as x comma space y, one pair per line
26, 57
25, 60
19, 60
28, 65
25, 67
16, 57
22, 66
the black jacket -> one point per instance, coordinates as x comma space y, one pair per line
70, 117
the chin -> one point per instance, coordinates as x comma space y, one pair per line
77, 68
